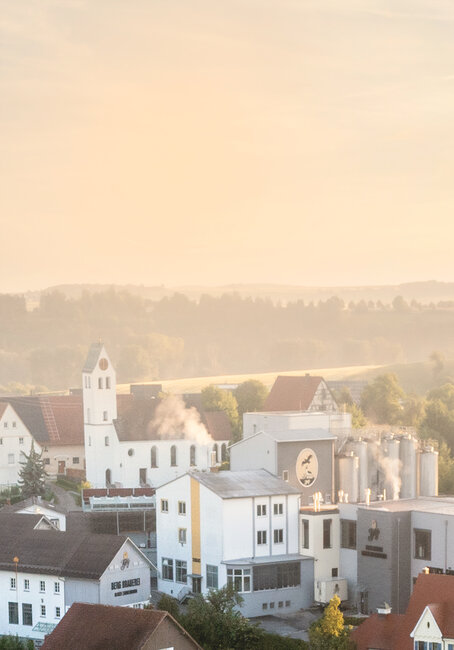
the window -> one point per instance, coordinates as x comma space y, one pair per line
277, 576
164, 505
46, 461
335, 573
1, 441
26, 585
327, 533
192, 456
271, 605
56, 587
264, 606
215, 452
106, 441
181, 571
223, 452
108, 478
27, 614
240, 579
75, 460
57, 612
181, 507
173, 456
10, 459
212, 576
131, 452
99, 382
42, 585
43, 610
278, 509
12, 583
14, 425
285, 475
278, 535
104, 416
13, 613
182, 535
422, 544
154, 456
305, 532
261, 511
167, 568
261, 537
348, 533
88, 382
21, 441
107, 382
5, 424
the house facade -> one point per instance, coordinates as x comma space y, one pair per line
216, 528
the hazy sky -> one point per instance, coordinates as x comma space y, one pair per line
217, 141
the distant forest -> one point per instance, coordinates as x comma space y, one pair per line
181, 337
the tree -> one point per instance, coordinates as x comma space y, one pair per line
215, 622
217, 399
250, 396
382, 399
14, 643
445, 470
438, 364
32, 476
329, 633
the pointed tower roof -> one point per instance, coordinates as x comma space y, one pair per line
93, 356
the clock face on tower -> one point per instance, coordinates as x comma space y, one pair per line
307, 467
103, 364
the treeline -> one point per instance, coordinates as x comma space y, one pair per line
178, 337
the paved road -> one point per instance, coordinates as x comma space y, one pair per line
65, 499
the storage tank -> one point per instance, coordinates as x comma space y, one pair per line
408, 467
359, 448
374, 471
428, 472
348, 465
391, 465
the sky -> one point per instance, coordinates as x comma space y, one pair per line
207, 142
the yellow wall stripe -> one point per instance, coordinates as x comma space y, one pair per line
195, 527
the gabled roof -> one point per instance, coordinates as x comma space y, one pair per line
32, 501
431, 590
98, 627
93, 356
54, 552
3, 407
244, 483
292, 393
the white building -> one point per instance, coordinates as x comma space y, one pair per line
215, 528
37, 506
43, 572
15, 441
151, 441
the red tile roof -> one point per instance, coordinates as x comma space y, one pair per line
217, 424
98, 627
292, 393
431, 590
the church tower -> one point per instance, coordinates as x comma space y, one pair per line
100, 409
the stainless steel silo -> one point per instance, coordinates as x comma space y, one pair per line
348, 465
428, 472
408, 473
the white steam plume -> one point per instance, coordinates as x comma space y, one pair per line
173, 421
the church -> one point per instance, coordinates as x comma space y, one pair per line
139, 440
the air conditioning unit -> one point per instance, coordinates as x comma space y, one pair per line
327, 588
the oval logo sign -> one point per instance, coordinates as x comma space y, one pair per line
307, 467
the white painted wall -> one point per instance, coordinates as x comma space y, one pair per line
272, 422
15, 440
57, 518
326, 559
258, 451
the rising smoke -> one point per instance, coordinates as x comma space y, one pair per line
173, 421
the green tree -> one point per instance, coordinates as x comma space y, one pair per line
33, 475
217, 399
250, 396
381, 400
358, 418
169, 604
438, 422
329, 633
414, 411
14, 643
215, 622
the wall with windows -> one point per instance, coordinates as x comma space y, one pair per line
432, 541
348, 555
15, 440
27, 599
73, 457
320, 538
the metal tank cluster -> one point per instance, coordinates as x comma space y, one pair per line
389, 466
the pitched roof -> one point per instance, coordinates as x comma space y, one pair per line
247, 483
96, 627
430, 590
217, 424
32, 501
292, 393
52, 420
3, 407
92, 357
54, 552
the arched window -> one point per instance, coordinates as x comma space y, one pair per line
173, 456
108, 478
215, 449
154, 456
192, 455
223, 452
